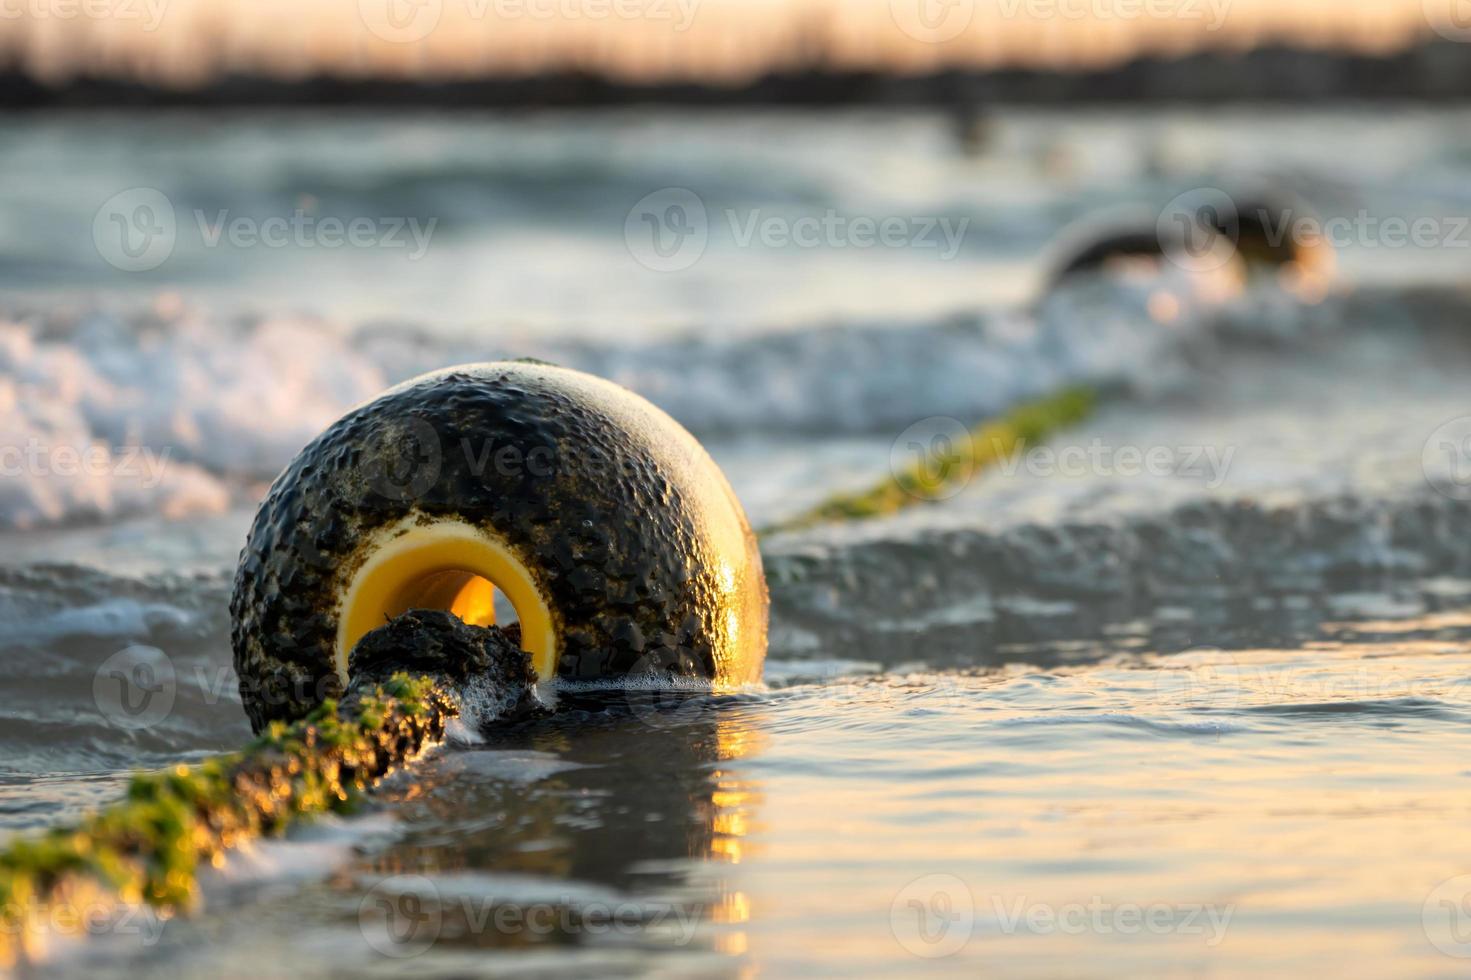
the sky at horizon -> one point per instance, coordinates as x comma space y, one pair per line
185, 41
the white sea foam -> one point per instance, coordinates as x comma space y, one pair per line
179, 414
109, 417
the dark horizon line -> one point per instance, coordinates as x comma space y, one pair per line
1436, 71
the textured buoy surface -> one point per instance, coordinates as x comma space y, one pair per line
605, 524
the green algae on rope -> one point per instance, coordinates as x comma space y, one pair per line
939, 473
147, 849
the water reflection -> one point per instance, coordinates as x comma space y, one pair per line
612, 824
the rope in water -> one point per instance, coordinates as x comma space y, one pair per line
148, 848
953, 459
406, 679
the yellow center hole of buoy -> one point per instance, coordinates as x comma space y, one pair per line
451, 566
468, 596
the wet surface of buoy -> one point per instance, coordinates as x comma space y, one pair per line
605, 524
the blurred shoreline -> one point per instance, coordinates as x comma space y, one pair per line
1438, 72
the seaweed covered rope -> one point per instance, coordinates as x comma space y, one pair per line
409, 679
944, 468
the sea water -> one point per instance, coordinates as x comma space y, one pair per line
1180, 694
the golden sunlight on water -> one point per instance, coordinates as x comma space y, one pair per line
1247, 796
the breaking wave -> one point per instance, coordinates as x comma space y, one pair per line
174, 413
